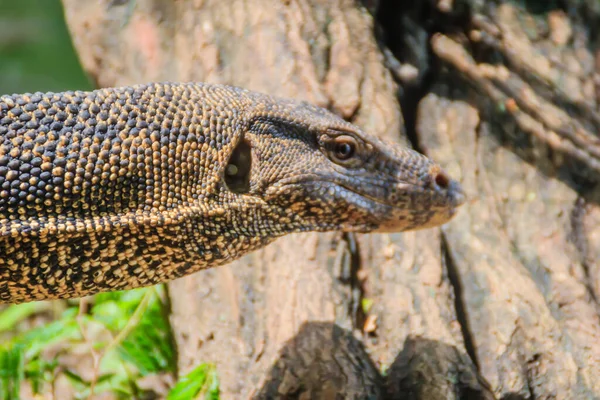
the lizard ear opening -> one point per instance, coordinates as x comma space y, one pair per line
237, 171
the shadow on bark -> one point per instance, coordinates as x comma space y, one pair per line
430, 369
324, 361
542, 119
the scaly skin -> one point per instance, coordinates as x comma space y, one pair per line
128, 187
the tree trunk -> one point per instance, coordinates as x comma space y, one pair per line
502, 301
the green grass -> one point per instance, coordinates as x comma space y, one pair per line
126, 333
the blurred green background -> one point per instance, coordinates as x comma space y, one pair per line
36, 52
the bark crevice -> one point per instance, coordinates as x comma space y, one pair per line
459, 305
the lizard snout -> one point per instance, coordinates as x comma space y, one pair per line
450, 188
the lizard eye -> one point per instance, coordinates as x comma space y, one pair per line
343, 148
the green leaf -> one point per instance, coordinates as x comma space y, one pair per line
203, 378
40, 338
39, 370
76, 379
366, 305
19, 358
213, 387
148, 344
11, 371
14, 314
149, 347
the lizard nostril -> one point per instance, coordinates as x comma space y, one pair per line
442, 180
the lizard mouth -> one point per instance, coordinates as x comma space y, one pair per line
436, 214
317, 181
407, 207
450, 195
381, 201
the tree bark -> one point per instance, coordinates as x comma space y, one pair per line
501, 302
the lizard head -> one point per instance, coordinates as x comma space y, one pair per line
312, 170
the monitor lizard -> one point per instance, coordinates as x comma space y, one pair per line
126, 187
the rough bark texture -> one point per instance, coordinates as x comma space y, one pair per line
505, 97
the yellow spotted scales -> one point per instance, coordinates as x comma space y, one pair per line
127, 187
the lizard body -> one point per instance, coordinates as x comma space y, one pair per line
127, 187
